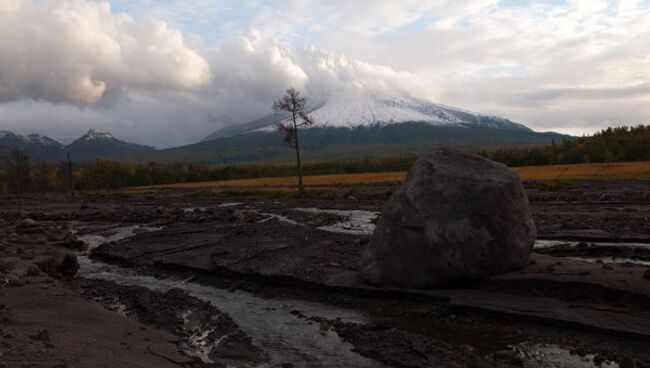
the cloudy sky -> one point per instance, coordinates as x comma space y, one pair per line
168, 72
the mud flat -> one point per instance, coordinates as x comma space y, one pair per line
255, 281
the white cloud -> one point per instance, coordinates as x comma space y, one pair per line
77, 50
575, 66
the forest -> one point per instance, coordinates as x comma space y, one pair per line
21, 173
609, 145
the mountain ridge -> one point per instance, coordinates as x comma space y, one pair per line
95, 143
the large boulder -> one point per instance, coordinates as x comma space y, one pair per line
456, 217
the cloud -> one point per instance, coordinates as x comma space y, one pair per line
258, 69
76, 50
571, 66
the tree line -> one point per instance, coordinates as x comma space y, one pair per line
21, 174
609, 145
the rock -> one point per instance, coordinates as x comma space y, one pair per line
32, 270
60, 266
457, 216
42, 335
646, 274
17, 281
69, 266
71, 242
25, 223
6, 267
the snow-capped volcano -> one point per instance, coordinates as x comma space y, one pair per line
362, 126
369, 109
347, 110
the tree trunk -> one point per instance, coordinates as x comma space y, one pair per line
301, 187
70, 178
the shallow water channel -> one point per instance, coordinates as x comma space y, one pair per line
271, 324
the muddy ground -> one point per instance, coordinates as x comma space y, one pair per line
176, 279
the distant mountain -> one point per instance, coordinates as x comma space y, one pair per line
100, 143
94, 144
34, 144
357, 127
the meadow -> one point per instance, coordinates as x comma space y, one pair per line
593, 171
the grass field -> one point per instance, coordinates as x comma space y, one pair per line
602, 171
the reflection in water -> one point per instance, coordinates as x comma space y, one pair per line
356, 222
555, 356
271, 324
544, 243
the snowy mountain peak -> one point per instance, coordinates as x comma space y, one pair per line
351, 110
41, 139
97, 134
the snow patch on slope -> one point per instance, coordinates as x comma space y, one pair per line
97, 134
352, 110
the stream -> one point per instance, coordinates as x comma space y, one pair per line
271, 324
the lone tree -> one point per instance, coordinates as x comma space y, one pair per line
295, 104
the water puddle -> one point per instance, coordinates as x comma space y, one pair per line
270, 216
555, 356
114, 234
544, 244
230, 204
273, 324
614, 260
597, 252
357, 222
194, 209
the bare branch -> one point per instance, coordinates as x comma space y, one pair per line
306, 119
290, 133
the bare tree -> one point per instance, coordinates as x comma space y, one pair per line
70, 177
18, 166
292, 102
42, 177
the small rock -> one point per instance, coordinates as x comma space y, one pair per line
17, 281
32, 270
27, 223
6, 267
74, 244
646, 274
42, 335
60, 266
69, 265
